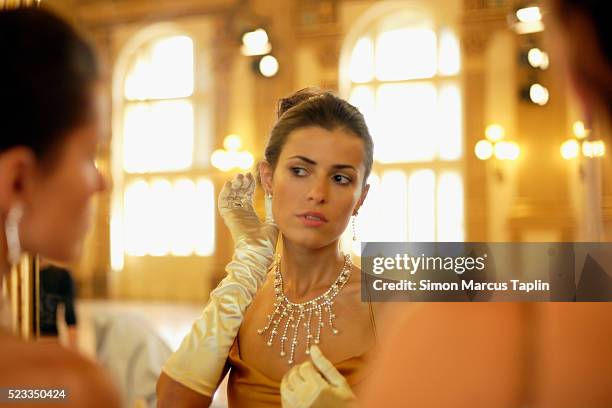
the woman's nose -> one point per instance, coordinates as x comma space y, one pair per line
318, 192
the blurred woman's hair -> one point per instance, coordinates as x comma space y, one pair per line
46, 77
588, 21
311, 107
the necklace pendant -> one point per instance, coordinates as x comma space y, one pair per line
290, 317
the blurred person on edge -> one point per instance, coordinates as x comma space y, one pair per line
50, 125
511, 354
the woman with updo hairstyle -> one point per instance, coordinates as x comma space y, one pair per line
49, 132
306, 338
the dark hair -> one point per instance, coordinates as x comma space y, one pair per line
313, 107
595, 12
46, 74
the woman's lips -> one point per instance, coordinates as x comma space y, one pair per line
312, 219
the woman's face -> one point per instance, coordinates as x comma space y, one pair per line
317, 185
57, 205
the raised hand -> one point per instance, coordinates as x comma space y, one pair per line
317, 384
236, 208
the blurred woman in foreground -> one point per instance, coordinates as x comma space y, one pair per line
49, 131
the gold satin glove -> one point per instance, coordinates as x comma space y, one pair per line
316, 384
236, 208
198, 363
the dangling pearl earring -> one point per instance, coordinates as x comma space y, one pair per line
354, 231
11, 229
268, 208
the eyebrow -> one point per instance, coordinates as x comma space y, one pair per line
335, 166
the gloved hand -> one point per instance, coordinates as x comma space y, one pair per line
316, 384
198, 363
236, 208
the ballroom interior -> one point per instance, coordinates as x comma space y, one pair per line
478, 136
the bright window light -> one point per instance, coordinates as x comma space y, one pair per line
362, 97
403, 78
406, 114
422, 206
160, 223
407, 53
158, 136
449, 54
163, 218
117, 244
166, 71
394, 195
203, 220
361, 67
182, 236
449, 138
136, 217
450, 207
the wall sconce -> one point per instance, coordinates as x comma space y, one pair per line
572, 148
495, 146
536, 93
255, 43
537, 58
231, 157
526, 20
266, 66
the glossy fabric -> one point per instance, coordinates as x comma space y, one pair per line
250, 388
200, 359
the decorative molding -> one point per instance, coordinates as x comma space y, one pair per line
95, 13
477, 6
315, 18
480, 20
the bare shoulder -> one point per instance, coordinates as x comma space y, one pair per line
32, 365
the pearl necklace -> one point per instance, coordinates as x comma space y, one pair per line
288, 315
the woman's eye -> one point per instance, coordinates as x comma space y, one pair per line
341, 179
298, 171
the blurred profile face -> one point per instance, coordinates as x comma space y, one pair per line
57, 207
317, 185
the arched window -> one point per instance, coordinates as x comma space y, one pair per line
401, 69
163, 202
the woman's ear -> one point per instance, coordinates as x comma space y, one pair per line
364, 194
265, 175
17, 166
